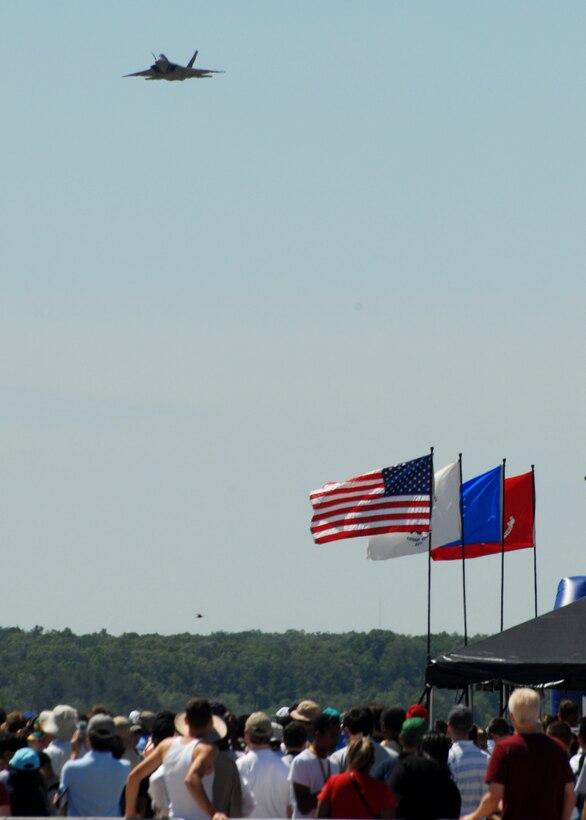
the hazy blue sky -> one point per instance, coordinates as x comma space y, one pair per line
365, 238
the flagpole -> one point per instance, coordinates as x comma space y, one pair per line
534, 544
431, 490
463, 554
503, 545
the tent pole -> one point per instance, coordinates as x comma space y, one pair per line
430, 707
503, 545
431, 492
463, 554
534, 542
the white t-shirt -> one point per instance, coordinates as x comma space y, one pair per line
59, 752
575, 762
312, 771
265, 774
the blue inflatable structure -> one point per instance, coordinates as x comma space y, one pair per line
569, 590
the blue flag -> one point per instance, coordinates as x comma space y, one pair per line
482, 499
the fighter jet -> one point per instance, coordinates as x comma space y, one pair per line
164, 69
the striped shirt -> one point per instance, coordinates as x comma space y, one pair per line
468, 767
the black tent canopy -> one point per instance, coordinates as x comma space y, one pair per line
548, 649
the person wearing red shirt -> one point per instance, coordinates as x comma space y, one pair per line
354, 794
528, 772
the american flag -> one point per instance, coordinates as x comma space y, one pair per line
394, 499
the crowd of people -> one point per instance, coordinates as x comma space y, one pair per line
304, 761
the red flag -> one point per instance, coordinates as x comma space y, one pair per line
519, 522
519, 512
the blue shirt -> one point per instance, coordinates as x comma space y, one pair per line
468, 766
94, 785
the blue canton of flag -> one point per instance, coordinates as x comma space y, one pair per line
411, 478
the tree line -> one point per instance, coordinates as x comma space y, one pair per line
247, 671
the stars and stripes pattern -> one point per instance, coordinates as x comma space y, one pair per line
394, 499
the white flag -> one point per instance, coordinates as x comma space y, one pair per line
445, 521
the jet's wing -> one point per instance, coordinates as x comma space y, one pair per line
148, 72
200, 72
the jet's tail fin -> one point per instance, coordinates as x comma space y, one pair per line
191, 62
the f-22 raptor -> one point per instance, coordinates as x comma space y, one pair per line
164, 69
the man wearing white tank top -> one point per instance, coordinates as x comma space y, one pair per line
188, 765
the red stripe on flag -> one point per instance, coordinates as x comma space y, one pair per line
368, 521
371, 531
378, 503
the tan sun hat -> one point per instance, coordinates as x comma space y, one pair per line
61, 721
306, 711
217, 732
